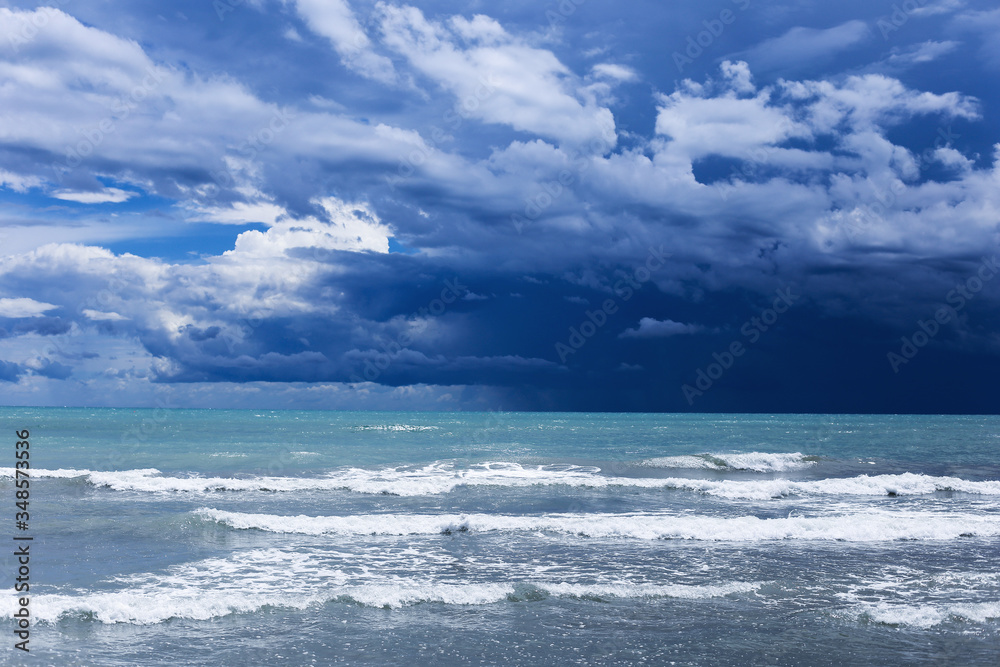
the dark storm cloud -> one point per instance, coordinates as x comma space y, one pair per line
537, 201
10, 372
43, 326
53, 369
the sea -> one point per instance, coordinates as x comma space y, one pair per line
252, 537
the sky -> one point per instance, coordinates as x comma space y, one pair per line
723, 206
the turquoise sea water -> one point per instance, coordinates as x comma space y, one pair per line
254, 537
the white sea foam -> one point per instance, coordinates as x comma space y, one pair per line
152, 480
752, 461
250, 581
69, 473
396, 427
927, 615
859, 527
906, 484
440, 478
150, 607
399, 594
628, 590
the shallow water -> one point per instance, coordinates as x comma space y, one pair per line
252, 537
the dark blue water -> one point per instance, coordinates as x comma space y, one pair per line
242, 537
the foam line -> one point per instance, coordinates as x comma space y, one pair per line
859, 527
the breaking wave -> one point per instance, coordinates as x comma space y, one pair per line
441, 478
859, 527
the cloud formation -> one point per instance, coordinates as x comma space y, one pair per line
425, 213
652, 328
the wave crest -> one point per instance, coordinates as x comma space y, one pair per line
927, 615
750, 461
861, 527
441, 478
